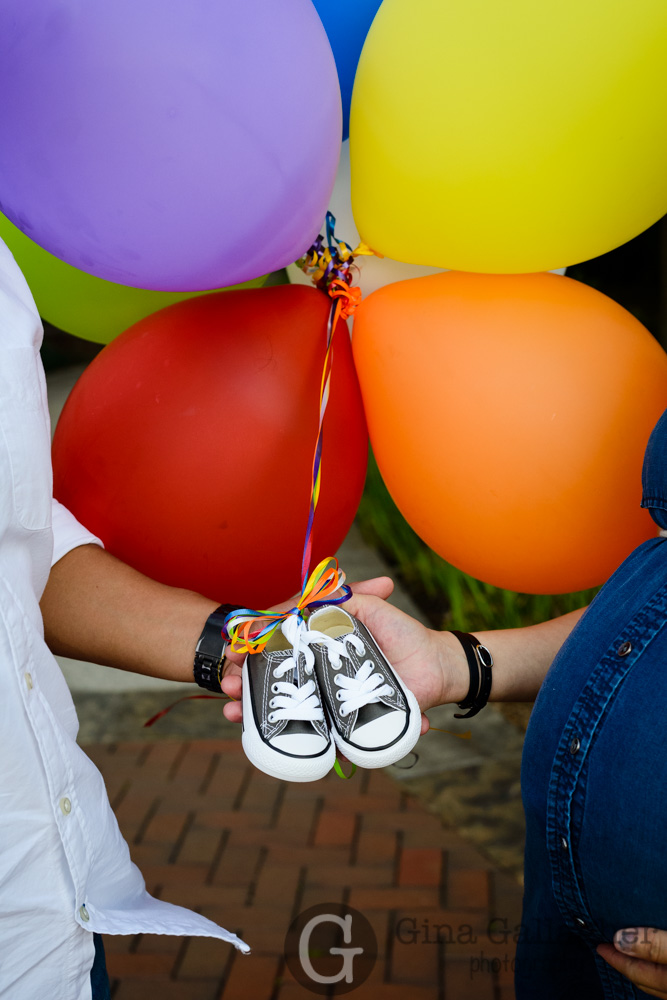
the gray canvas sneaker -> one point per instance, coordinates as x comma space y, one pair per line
374, 718
285, 733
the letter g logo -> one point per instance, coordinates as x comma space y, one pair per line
347, 953
330, 949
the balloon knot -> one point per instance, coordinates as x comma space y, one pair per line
330, 262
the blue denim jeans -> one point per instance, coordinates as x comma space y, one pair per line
99, 979
594, 776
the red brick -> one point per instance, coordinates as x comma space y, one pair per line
414, 963
164, 827
149, 944
335, 829
349, 875
118, 943
394, 991
162, 756
166, 989
420, 866
462, 982
232, 819
377, 847
265, 936
393, 898
205, 958
277, 883
251, 978
174, 874
200, 846
138, 966
468, 887
237, 865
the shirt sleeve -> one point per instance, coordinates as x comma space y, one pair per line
67, 532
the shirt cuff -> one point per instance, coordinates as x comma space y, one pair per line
68, 534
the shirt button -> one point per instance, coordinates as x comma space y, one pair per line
578, 920
564, 843
575, 745
624, 649
28, 681
65, 807
83, 913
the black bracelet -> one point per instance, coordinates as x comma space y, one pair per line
210, 651
480, 662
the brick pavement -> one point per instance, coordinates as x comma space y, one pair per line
211, 832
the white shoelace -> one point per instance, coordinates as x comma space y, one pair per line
291, 701
353, 693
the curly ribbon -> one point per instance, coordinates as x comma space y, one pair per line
333, 261
341, 773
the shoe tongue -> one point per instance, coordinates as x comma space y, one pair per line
331, 621
278, 643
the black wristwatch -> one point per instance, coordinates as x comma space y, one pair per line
210, 651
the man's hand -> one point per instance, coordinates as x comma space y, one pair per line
380, 587
640, 954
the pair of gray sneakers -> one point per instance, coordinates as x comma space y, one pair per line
319, 685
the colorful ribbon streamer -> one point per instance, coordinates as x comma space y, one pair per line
332, 269
249, 631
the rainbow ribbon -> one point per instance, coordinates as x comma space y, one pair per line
332, 270
249, 631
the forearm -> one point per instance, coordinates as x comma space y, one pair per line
98, 608
521, 658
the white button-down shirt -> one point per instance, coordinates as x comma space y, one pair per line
65, 869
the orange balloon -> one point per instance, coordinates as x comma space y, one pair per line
509, 416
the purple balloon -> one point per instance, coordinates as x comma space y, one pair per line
177, 145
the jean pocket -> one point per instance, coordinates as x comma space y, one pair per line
25, 429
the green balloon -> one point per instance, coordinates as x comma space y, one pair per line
79, 303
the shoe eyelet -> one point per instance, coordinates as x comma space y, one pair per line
339, 695
271, 717
342, 712
275, 689
337, 679
272, 703
391, 693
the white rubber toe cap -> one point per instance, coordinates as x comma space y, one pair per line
300, 744
380, 732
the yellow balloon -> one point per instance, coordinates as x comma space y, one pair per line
78, 302
509, 137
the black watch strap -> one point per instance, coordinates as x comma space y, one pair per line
210, 651
480, 663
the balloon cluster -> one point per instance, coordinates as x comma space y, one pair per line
170, 155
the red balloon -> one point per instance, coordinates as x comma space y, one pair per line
187, 444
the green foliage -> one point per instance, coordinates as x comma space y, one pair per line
451, 598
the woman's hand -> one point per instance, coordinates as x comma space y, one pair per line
640, 954
380, 587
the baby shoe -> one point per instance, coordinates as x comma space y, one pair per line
375, 720
285, 733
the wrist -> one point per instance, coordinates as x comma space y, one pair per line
454, 669
209, 657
